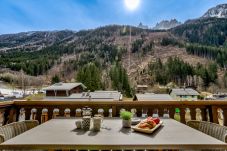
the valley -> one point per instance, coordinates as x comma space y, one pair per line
38, 57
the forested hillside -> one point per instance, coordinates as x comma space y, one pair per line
177, 71
88, 54
214, 53
206, 31
34, 38
104, 58
206, 37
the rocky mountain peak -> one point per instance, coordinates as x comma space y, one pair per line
142, 26
167, 24
220, 11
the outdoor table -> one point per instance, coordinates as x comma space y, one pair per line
62, 134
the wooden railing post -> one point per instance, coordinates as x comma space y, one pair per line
44, 116
2, 117
12, 115
78, 112
214, 117
114, 111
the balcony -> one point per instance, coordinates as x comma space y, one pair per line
43, 111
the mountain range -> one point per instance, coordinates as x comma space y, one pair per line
44, 54
165, 24
220, 11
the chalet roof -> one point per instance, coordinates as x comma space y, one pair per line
74, 99
153, 97
107, 94
64, 86
97, 95
94, 96
187, 91
142, 86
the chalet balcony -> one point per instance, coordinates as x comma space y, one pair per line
183, 111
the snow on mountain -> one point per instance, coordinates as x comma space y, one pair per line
220, 11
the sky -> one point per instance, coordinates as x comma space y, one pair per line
35, 15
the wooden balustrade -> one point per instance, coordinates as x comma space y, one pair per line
67, 112
7, 112
55, 113
44, 115
214, 111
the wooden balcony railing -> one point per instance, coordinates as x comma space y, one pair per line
214, 111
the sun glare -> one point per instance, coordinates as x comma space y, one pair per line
132, 4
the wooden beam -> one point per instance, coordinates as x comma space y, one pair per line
214, 114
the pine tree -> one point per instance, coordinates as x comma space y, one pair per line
225, 80
55, 79
90, 76
212, 71
87, 78
120, 80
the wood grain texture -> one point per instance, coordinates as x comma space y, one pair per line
61, 134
